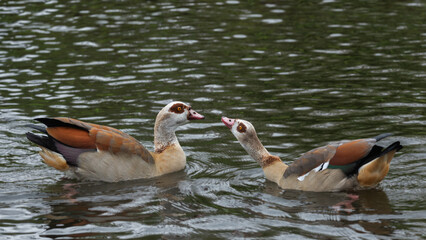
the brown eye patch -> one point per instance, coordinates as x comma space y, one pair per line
177, 108
241, 128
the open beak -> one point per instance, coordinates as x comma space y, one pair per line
229, 122
193, 115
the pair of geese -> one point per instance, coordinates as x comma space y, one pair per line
95, 152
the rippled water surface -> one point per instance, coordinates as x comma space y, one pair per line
303, 72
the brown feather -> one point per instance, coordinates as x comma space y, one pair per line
268, 160
98, 137
310, 160
119, 142
53, 159
72, 137
75, 122
351, 152
375, 171
89, 126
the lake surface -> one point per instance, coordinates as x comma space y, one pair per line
303, 72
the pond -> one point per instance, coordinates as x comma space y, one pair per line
303, 72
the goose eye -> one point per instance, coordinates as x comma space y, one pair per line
177, 108
241, 128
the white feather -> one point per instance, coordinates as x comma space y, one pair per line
321, 167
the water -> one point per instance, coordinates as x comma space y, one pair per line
303, 72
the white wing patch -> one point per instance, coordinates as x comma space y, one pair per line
301, 178
321, 167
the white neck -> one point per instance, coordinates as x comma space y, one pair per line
255, 148
272, 166
164, 136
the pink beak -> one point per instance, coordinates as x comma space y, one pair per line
229, 122
193, 115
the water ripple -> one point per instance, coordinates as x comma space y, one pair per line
303, 74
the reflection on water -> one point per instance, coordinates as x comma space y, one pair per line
303, 73
82, 206
172, 206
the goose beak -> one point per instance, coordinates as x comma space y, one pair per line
193, 115
229, 122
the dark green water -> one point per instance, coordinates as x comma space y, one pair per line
303, 72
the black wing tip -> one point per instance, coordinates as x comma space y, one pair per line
37, 139
53, 122
42, 141
49, 122
394, 146
32, 137
42, 119
383, 135
37, 127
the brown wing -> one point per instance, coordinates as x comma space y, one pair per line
79, 134
353, 151
339, 154
311, 160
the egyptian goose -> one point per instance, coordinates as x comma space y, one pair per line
95, 152
337, 166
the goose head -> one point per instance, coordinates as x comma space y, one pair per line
176, 114
243, 130
172, 116
246, 134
